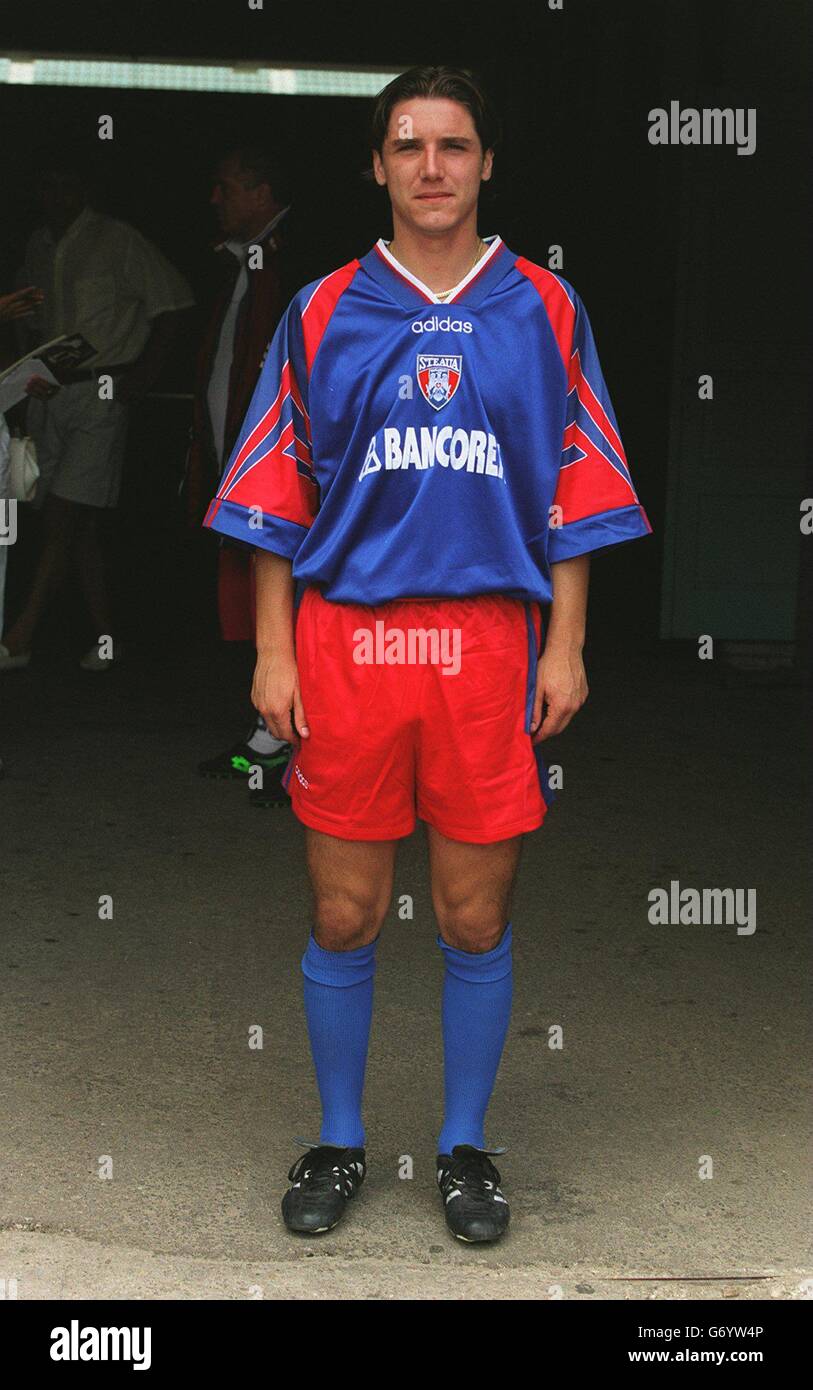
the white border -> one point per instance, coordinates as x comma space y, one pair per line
383, 246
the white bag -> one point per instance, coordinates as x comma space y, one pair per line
24, 468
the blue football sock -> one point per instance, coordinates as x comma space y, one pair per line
339, 1010
476, 1008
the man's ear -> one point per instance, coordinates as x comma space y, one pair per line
378, 170
488, 164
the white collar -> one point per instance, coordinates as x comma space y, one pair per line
86, 215
493, 243
240, 248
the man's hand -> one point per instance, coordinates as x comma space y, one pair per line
275, 693
41, 389
19, 304
134, 384
561, 683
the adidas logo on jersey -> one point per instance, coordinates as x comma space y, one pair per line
445, 325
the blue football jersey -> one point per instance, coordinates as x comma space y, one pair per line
398, 447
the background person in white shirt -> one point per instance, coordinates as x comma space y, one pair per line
20, 304
12, 307
103, 279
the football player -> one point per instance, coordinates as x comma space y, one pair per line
429, 459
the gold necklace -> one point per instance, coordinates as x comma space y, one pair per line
442, 294
481, 246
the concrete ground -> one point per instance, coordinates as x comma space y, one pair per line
127, 1040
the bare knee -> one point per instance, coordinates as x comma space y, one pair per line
345, 921
351, 883
470, 924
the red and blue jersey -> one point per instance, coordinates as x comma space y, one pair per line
397, 446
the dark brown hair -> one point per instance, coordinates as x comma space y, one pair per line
455, 84
261, 165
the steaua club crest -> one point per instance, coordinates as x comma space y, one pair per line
439, 377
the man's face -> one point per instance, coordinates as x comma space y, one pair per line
61, 199
238, 206
432, 164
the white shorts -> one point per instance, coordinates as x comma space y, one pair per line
5, 488
80, 445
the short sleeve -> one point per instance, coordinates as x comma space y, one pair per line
150, 278
595, 503
268, 495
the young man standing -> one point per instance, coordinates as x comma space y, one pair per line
430, 455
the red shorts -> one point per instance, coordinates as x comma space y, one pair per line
418, 708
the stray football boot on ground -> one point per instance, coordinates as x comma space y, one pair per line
474, 1206
238, 761
272, 792
323, 1181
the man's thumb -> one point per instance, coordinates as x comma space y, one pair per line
300, 718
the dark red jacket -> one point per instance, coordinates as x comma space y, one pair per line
260, 310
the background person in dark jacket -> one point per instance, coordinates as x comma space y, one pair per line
250, 198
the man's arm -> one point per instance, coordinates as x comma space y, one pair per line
275, 691
561, 682
147, 368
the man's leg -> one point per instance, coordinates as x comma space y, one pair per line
237, 616
472, 887
351, 785
260, 739
60, 520
352, 883
92, 572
